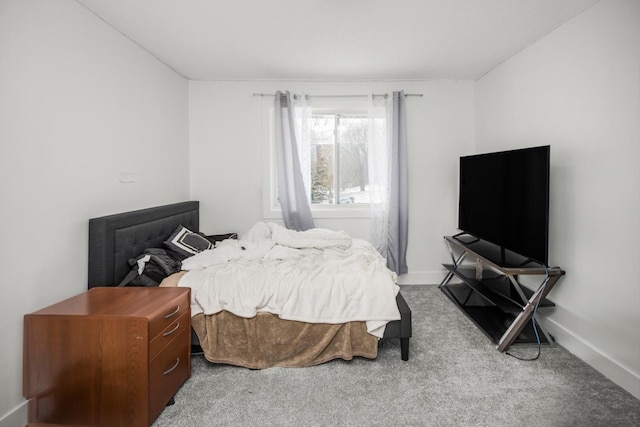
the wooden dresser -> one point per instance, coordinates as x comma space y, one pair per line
107, 357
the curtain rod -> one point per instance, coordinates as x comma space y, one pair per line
339, 96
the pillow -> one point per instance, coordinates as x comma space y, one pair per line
186, 242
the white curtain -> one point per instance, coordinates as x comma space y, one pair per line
388, 179
379, 156
292, 133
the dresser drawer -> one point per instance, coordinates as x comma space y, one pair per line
168, 371
169, 333
168, 315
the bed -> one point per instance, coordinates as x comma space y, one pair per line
257, 342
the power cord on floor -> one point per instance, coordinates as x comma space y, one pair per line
533, 320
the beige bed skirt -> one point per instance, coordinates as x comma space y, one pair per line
265, 341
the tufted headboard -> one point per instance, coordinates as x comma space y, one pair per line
114, 239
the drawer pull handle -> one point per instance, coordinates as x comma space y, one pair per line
171, 369
171, 331
173, 312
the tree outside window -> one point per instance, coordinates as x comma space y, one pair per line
339, 169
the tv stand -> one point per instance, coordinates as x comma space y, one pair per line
490, 293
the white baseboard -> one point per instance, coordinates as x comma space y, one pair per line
593, 357
17, 417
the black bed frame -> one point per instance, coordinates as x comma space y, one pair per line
114, 239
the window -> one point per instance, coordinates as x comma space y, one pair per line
335, 155
338, 151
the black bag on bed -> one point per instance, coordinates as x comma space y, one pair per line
151, 267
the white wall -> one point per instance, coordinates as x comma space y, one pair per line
578, 89
79, 104
228, 133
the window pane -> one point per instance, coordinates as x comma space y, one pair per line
353, 165
338, 159
322, 159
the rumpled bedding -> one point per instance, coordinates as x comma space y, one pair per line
313, 276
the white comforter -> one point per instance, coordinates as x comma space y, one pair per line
314, 276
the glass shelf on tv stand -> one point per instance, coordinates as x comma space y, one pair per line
491, 294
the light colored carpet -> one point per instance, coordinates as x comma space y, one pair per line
454, 377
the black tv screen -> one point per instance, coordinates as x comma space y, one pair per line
504, 199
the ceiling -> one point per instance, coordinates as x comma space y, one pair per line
334, 39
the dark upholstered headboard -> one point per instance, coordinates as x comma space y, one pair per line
114, 239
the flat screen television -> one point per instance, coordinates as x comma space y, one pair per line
504, 200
